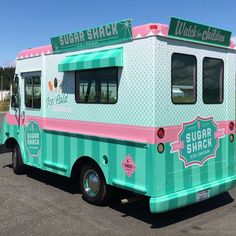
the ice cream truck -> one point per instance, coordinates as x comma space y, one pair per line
149, 109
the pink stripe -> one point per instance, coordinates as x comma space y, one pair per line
141, 134
121, 132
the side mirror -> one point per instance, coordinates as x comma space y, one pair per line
15, 97
15, 101
15, 88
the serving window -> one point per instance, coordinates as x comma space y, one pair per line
33, 92
97, 86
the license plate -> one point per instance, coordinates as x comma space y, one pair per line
203, 195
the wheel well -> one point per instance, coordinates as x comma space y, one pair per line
79, 164
10, 143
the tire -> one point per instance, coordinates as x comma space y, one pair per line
17, 162
93, 185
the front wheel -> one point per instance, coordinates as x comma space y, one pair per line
17, 162
93, 185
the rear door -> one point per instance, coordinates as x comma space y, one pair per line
199, 154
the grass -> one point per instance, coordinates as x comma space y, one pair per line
4, 106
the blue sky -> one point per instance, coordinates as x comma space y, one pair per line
27, 23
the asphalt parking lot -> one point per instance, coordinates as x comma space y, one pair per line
47, 204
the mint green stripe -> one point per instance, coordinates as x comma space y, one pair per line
204, 173
126, 185
231, 156
196, 175
219, 161
140, 162
178, 174
225, 152
44, 147
169, 170
113, 160
77, 146
96, 152
120, 154
49, 152
87, 143
67, 152
103, 148
159, 171
55, 157
211, 165
130, 150
61, 148
152, 173
173, 203
71, 151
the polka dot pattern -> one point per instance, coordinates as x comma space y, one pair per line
144, 94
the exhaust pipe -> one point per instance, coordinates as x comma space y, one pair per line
132, 199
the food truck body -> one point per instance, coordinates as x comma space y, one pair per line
154, 114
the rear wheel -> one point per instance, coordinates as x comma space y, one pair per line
93, 185
17, 162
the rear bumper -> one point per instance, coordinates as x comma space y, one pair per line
189, 196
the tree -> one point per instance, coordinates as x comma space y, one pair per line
8, 74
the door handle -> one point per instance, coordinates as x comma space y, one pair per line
23, 117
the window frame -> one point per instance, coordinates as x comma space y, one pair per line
32, 77
194, 80
223, 79
97, 85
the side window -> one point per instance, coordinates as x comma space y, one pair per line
33, 92
97, 86
183, 78
213, 78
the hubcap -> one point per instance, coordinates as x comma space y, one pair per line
91, 183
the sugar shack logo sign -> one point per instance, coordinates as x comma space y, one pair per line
198, 141
117, 32
33, 139
198, 33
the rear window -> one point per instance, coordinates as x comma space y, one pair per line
183, 78
213, 77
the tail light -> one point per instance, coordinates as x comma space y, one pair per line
231, 125
160, 133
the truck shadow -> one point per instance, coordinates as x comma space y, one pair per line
138, 210
4, 149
